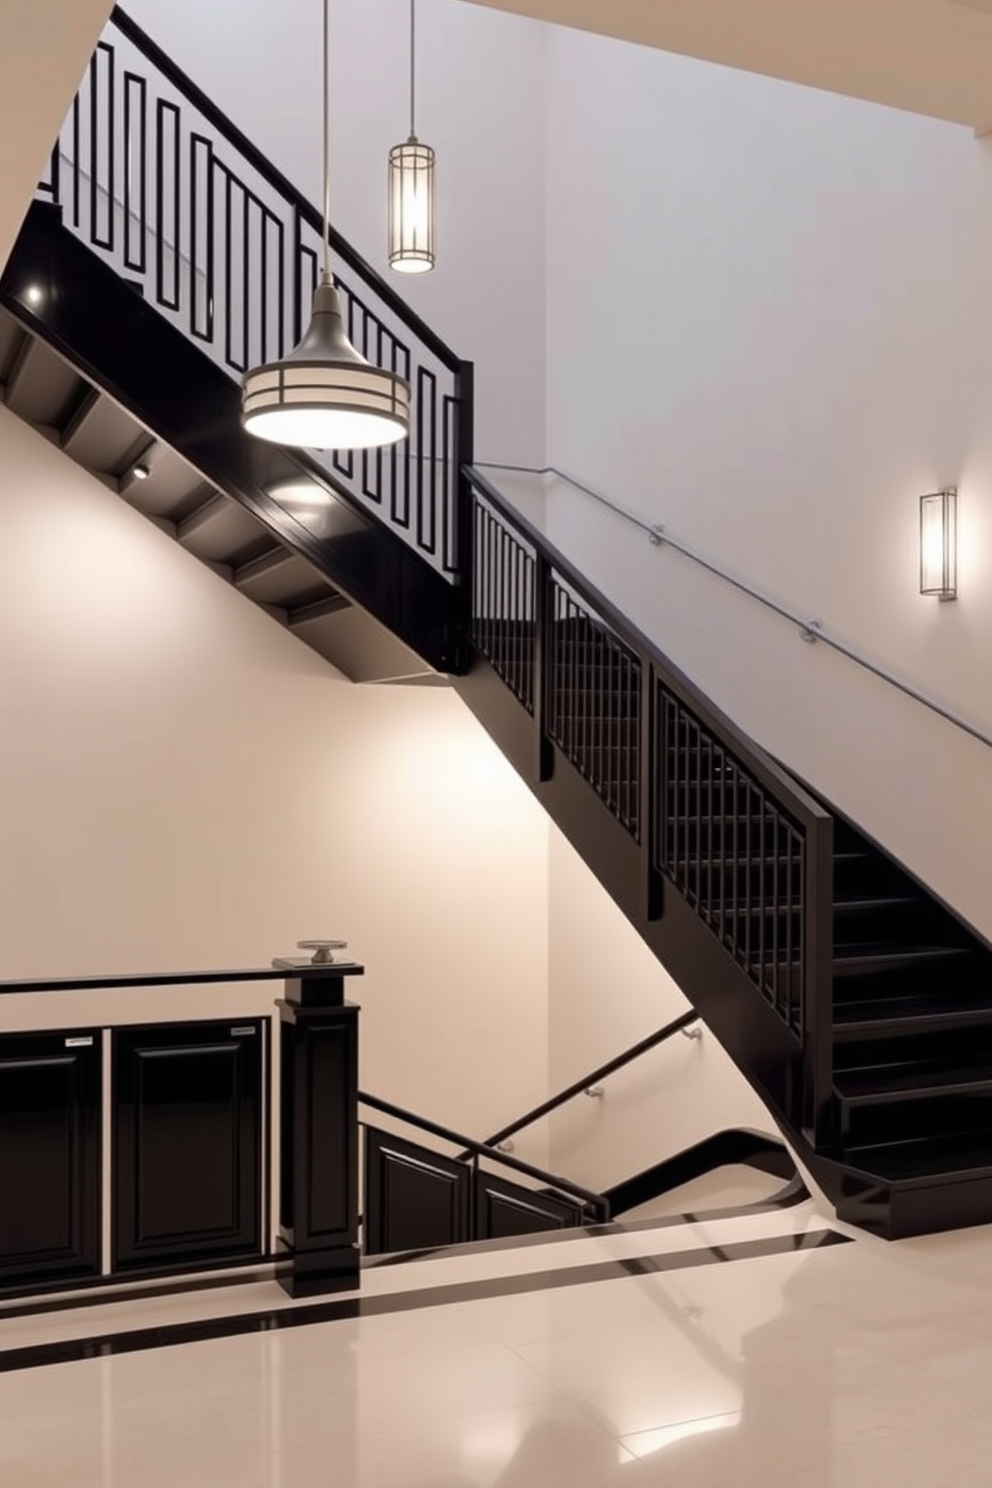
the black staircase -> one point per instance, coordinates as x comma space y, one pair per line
858, 1006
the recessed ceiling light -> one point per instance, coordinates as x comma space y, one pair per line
141, 472
34, 294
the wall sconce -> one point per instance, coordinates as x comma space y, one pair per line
939, 543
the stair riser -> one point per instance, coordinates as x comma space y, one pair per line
909, 1120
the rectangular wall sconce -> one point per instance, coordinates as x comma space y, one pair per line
939, 543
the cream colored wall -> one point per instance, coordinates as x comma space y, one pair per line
607, 991
185, 785
44, 48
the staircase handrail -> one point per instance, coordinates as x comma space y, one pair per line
281, 184
810, 630
771, 775
603, 1072
475, 1150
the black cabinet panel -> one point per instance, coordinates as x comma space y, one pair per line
504, 1209
415, 1199
187, 1114
49, 1155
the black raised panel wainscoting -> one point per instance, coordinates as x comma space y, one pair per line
187, 1120
415, 1199
318, 1200
49, 1156
504, 1209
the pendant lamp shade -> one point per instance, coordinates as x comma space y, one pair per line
412, 212
325, 395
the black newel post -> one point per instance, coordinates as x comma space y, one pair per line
318, 1191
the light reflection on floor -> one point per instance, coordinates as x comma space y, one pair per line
856, 1364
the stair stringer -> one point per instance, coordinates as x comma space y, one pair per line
66, 295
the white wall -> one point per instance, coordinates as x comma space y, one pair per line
480, 104
183, 785
770, 328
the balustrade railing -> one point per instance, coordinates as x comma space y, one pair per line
593, 707
153, 177
711, 814
734, 854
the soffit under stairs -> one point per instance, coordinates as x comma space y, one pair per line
108, 441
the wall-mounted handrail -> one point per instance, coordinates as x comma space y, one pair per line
475, 1149
810, 630
281, 184
611, 1067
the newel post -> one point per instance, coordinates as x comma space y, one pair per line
318, 1187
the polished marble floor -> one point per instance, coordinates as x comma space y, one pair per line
773, 1348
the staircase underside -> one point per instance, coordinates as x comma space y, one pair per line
105, 378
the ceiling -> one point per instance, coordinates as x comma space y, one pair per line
929, 56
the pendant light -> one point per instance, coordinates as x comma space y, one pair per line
412, 221
325, 395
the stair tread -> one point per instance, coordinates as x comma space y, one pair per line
915, 1007
852, 959
933, 1157
937, 1077
849, 903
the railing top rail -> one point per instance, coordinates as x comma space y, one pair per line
16, 987
611, 1067
761, 765
809, 629
280, 183
482, 1149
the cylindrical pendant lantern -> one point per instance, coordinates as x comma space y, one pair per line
412, 216
939, 543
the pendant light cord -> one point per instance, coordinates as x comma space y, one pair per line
327, 144
413, 68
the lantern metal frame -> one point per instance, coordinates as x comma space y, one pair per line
412, 207
939, 543
412, 188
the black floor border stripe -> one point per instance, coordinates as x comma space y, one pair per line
117, 1292
140, 1340
795, 1192
112, 1290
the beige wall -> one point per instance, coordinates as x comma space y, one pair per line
44, 48
184, 785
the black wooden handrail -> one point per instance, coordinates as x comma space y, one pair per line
660, 1036
15, 987
280, 183
484, 1149
765, 769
